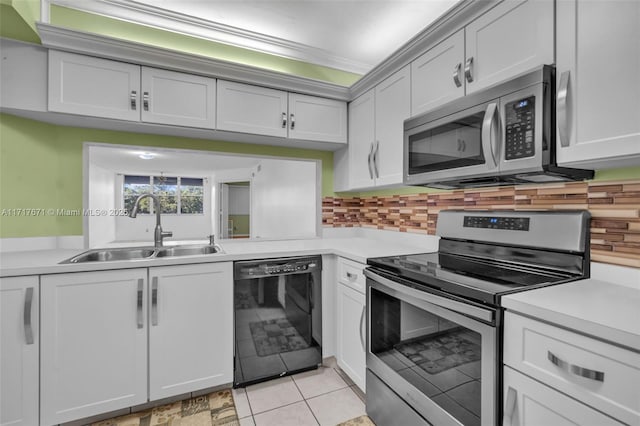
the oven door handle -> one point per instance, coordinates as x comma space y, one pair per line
452, 305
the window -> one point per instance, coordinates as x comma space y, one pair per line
178, 195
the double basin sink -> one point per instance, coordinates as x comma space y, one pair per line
135, 253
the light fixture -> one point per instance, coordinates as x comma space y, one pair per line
147, 155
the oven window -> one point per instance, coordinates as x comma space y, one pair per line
437, 356
455, 144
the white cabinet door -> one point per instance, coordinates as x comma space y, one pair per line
598, 67
317, 119
351, 354
361, 140
191, 328
19, 344
93, 343
251, 109
393, 106
437, 76
86, 85
513, 37
178, 99
528, 402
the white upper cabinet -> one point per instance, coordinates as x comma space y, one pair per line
361, 141
513, 37
393, 106
96, 87
191, 328
252, 109
437, 76
103, 88
598, 99
317, 119
19, 351
178, 99
259, 110
93, 355
376, 128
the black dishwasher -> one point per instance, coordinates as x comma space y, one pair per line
278, 317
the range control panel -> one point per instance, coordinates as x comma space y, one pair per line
519, 136
497, 222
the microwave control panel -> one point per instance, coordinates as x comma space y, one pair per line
519, 136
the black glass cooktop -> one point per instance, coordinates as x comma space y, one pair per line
484, 280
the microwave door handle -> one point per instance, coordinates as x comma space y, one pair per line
561, 109
488, 124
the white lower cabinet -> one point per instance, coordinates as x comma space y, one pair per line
528, 402
119, 338
190, 329
554, 376
19, 346
93, 343
351, 324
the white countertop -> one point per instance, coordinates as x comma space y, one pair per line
355, 248
593, 307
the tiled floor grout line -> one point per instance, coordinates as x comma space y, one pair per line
306, 402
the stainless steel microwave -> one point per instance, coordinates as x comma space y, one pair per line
499, 136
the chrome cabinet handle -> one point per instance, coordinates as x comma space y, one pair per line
375, 158
488, 124
468, 69
28, 307
361, 326
154, 301
575, 369
509, 407
293, 121
369, 161
145, 101
139, 303
133, 98
457, 71
284, 120
561, 108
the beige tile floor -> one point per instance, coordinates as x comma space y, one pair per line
322, 397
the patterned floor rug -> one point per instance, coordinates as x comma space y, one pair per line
215, 409
276, 336
437, 354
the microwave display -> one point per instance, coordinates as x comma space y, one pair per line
519, 136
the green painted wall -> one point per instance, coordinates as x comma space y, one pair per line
82, 21
41, 168
17, 20
240, 224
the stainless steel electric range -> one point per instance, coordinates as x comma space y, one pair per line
434, 320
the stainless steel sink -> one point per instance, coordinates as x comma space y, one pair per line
106, 255
136, 253
186, 250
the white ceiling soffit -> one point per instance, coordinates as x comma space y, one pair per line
350, 35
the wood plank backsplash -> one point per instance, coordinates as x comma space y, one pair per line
614, 207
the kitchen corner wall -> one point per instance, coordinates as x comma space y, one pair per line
614, 207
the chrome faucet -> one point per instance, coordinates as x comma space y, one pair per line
159, 234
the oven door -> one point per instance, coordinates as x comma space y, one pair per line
458, 145
439, 355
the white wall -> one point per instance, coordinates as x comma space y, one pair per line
101, 196
284, 199
239, 200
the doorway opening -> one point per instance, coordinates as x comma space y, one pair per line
235, 209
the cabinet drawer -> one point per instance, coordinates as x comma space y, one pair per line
527, 402
597, 373
350, 273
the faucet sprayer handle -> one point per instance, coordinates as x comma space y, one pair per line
212, 239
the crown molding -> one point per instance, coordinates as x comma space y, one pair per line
164, 19
55, 37
452, 21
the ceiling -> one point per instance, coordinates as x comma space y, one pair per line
350, 35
